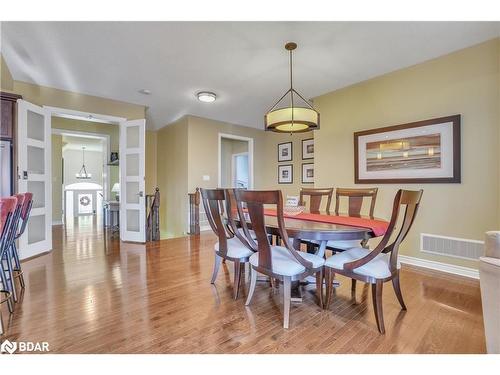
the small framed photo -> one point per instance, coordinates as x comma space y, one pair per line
308, 173
308, 149
285, 151
285, 174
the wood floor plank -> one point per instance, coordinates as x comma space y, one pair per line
93, 294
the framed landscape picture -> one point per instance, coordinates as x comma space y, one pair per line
285, 151
285, 174
419, 152
308, 173
308, 149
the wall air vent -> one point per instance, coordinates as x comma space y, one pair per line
451, 246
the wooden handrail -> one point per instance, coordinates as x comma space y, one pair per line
153, 216
194, 212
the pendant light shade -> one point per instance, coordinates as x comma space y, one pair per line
291, 118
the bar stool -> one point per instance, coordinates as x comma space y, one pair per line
11, 253
23, 221
7, 209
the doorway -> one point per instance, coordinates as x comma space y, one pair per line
34, 150
80, 173
235, 161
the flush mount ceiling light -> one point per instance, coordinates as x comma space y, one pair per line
206, 96
145, 91
292, 118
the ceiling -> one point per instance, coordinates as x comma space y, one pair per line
243, 62
77, 142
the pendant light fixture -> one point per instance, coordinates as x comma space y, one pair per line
292, 118
83, 175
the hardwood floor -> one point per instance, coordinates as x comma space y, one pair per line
92, 294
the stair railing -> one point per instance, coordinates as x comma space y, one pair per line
194, 212
153, 216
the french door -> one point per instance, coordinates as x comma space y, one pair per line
34, 174
132, 181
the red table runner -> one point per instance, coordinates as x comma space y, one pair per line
378, 227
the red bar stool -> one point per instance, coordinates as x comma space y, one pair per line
21, 223
7, 209
9, 257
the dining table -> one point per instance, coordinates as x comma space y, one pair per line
321, 227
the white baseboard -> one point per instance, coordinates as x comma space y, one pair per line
438, 266
57, 222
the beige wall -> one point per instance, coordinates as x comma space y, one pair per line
270, 168
41, 95
151, 161
6, 81
203, 150
172, 177
57, 178
465, 82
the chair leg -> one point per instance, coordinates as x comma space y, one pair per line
17, 264
237, 278
253, 282
353, 285
397, 290
319, 287
1, 324
329, 276
11, 280
377, 305
287, 292
3, 279
217, 263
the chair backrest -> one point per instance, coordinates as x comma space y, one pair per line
410, 200
7, 210
355, 199
315, 198
254, 202
213, 202
25, 212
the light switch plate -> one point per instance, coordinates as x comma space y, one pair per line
206, 177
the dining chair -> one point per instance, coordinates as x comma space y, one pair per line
283, 263
381, 264
230, 245
315, 198
355, 199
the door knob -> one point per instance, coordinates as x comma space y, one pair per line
140, 194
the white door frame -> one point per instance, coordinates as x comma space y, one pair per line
250, 157
105, 156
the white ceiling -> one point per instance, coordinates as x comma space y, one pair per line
243, 62
77, 142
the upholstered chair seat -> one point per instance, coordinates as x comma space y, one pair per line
283, 262
235, 248
377, 268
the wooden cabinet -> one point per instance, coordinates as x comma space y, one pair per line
8, 115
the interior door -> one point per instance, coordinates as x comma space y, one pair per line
34, 173
132, 184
